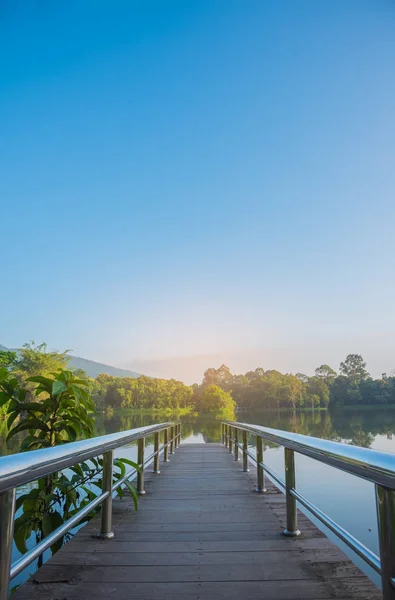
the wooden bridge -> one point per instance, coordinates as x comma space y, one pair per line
201, 533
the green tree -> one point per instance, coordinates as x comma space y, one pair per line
36, 360
221, 377
214, 399
354, 367
326, 373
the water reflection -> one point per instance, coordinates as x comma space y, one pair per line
358, 428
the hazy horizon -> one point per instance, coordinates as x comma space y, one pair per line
190, 184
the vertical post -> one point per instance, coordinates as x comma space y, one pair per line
106, 532
7, 514
171, 440
292, 518
179, 434
385, 504
166, 443
230, 438
245, 455
140, 462
260, 475
223, 433
236, 443
156, 450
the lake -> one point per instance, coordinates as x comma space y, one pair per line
347, 499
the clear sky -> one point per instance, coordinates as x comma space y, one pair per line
196, 182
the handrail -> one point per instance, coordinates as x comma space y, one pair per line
372, 465
19, 469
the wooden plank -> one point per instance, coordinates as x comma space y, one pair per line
342, 589
322, 554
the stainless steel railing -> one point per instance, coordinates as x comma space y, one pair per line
19, 469
374, 466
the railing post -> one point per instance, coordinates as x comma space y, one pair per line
7, 514
260, 475
245, 455
178, 429
385, 504
179, 434
156, 449
230, 438
106, 531
292, 518
223, 430
140, 462
172, 440
236, 443
166, 443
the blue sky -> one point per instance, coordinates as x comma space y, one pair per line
189, 183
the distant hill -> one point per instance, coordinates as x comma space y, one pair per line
92, 368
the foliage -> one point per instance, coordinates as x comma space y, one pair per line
213, 399
36, 360
7, 359
354, 367
61, 412
141, 393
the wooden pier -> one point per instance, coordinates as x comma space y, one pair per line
201, 533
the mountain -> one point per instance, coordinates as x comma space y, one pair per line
92, 368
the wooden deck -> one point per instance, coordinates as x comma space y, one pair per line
201, 533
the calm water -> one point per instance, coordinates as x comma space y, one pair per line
347, 499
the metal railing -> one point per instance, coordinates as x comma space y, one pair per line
374, 466
23, 468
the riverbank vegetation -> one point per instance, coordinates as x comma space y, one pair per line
220, 392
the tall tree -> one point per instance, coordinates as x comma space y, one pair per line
326, 373
354, 367
221, 377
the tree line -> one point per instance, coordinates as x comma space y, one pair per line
220, 390
260, 389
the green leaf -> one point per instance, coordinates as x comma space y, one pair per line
133, 493
4, 398
12, 418
50, 522
22, 531
130, 463
58, 387
28, 424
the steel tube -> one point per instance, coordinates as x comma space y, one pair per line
230, 439
372, 465
156, 451
106, 532
292, 517
236, 444
166, 444
18, 469
260, 477
53, 537
385, 504
140, 462
7, 514
245, 455
367, 555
